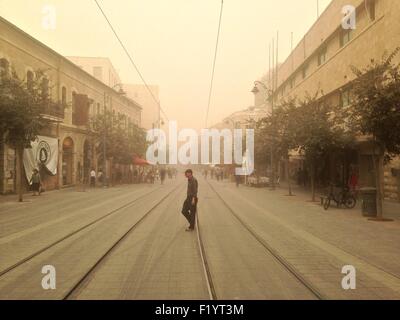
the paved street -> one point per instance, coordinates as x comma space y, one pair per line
129, 242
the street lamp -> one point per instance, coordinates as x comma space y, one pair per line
269, 96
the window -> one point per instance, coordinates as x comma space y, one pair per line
64, 96
292, 83
345, 98
322, 56
304, 71
4, 67
29, 80
73, 106
345, 36
98, 108
371, 9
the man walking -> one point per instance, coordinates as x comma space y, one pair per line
190, 204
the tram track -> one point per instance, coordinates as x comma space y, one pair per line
80, 283
271, 251
207, 273
76, 231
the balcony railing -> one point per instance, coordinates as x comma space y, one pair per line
53, 110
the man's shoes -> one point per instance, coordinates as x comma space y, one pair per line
189, 229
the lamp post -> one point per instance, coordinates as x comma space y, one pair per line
269, 95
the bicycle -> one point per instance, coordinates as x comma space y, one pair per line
344, 197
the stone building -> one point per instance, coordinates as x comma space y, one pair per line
82, 96
99, 67
321, 62
151, 113
102, 69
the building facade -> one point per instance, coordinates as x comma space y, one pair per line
322, 62
99, 67
103, 70
82, 96
151, 113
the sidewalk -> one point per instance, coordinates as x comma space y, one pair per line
391, 209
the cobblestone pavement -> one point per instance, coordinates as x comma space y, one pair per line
319, 243
158, 260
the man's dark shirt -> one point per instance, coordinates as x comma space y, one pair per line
192, 188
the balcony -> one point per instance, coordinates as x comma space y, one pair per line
53, 111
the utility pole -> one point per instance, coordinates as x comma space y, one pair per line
104, 144
272, 173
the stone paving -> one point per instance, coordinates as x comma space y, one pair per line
159, 260
318, 243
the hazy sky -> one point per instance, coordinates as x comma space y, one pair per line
173, 41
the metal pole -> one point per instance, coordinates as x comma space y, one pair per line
271, 175
269, 66
272, 112
104, 144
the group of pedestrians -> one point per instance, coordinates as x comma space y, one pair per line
215, 173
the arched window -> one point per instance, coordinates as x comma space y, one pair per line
64, 96
73, 106
29, 80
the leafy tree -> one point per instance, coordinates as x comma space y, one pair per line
320, 131
22, 104
122, 140
279, 129
310, 125
375, 112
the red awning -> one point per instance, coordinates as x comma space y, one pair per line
139, 161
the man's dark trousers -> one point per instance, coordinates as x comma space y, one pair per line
189, 211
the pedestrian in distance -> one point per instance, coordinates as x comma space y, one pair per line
36, 182
237, 179
162, 175
190, 205
92, 178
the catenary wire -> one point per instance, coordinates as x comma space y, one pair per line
215, 59
130, 58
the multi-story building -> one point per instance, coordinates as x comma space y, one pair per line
151, 113
99, 67
102, 69
82, 96
322, 62
243, 119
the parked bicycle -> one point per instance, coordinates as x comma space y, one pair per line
343, 197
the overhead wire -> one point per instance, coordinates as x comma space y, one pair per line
214, 62
131, 59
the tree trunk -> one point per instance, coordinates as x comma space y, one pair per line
288, 177
20, 172
377, 167
312, 176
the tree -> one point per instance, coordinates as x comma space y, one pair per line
375, 113
122, 139
22, 104
320, 131
280, 129
310, 125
